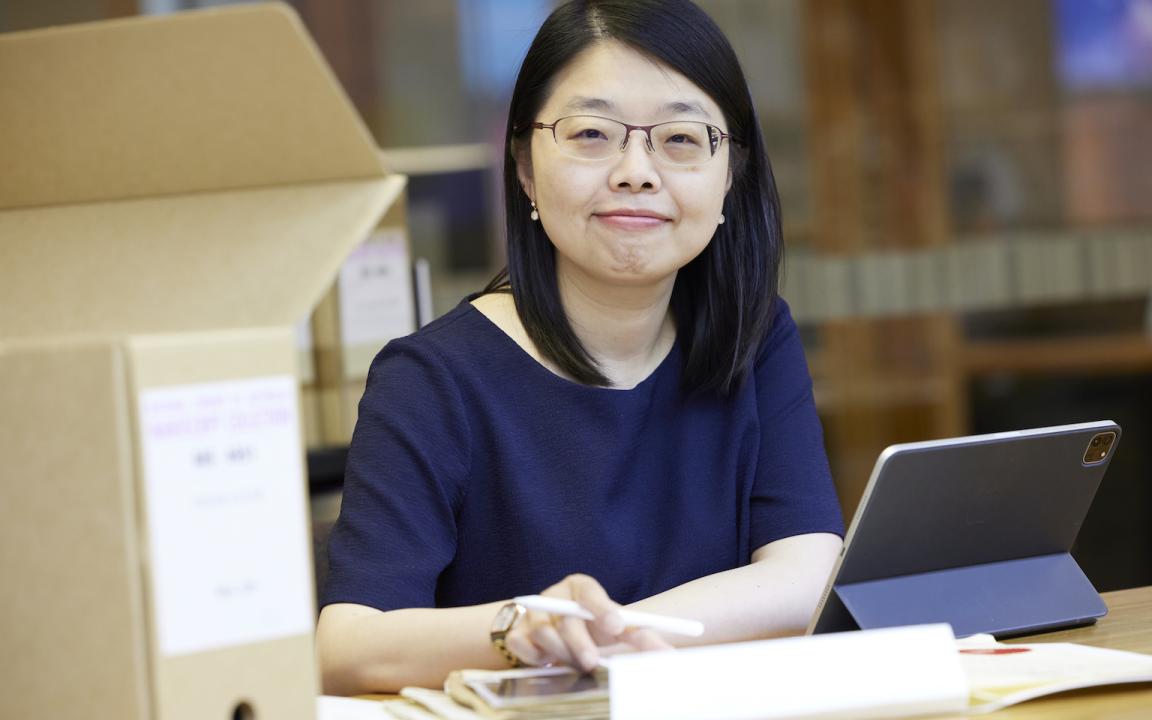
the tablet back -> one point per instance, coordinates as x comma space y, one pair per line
975, 531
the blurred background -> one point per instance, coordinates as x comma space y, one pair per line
967, 192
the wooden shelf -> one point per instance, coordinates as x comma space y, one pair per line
1105, 354
884, 393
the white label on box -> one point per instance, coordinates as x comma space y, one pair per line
223, 476
304, 334
376, 302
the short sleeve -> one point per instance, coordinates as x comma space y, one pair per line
403, 483
793, 493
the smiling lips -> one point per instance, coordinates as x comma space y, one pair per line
629, 219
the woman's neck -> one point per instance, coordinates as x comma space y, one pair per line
627, 330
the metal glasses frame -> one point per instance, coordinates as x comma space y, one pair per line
629, 129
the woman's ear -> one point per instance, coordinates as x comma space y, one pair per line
523, 158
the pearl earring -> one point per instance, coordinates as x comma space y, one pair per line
721, 218
535, 215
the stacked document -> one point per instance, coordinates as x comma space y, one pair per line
525, 694
1000, 675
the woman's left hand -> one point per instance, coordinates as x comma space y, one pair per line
541, 638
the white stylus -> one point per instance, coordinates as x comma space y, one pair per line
632, 618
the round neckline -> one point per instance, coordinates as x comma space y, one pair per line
540, 367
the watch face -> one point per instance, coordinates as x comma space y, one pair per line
505, 618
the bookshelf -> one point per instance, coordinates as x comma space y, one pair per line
942, 133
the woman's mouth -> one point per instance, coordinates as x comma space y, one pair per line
629, 219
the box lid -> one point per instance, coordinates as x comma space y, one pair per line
164, 174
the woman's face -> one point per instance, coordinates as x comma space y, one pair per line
630, 219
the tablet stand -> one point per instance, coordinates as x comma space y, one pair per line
1012, 597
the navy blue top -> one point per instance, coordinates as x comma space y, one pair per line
476, 474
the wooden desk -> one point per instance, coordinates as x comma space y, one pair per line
1128, 626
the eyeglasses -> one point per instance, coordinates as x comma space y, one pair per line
590, 137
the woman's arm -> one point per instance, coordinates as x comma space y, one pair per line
775, 595
364, 650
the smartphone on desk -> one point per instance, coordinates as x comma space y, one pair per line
542, 686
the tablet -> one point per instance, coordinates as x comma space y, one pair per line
974, 531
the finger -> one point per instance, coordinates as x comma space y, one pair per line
599, 636
546, 637
574, 633
526, 651
637, 643
523, 645
594, 598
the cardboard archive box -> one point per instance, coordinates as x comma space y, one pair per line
371, 302
306, 376
175, 193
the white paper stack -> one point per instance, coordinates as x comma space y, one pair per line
1001, 675
874, 673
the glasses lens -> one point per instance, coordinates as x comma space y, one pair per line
589, 137
595, 138
685, 143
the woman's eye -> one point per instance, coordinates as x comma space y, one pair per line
682, 139
589, 134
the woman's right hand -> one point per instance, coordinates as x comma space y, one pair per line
541, 638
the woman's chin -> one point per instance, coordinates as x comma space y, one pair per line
639, 274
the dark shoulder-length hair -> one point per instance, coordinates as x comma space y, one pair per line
722, 301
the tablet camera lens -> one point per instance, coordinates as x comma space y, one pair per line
1098, 447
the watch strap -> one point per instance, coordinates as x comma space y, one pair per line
502, 647
501, 630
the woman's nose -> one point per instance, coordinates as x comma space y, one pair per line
635, 169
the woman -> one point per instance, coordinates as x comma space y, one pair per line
628, 418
